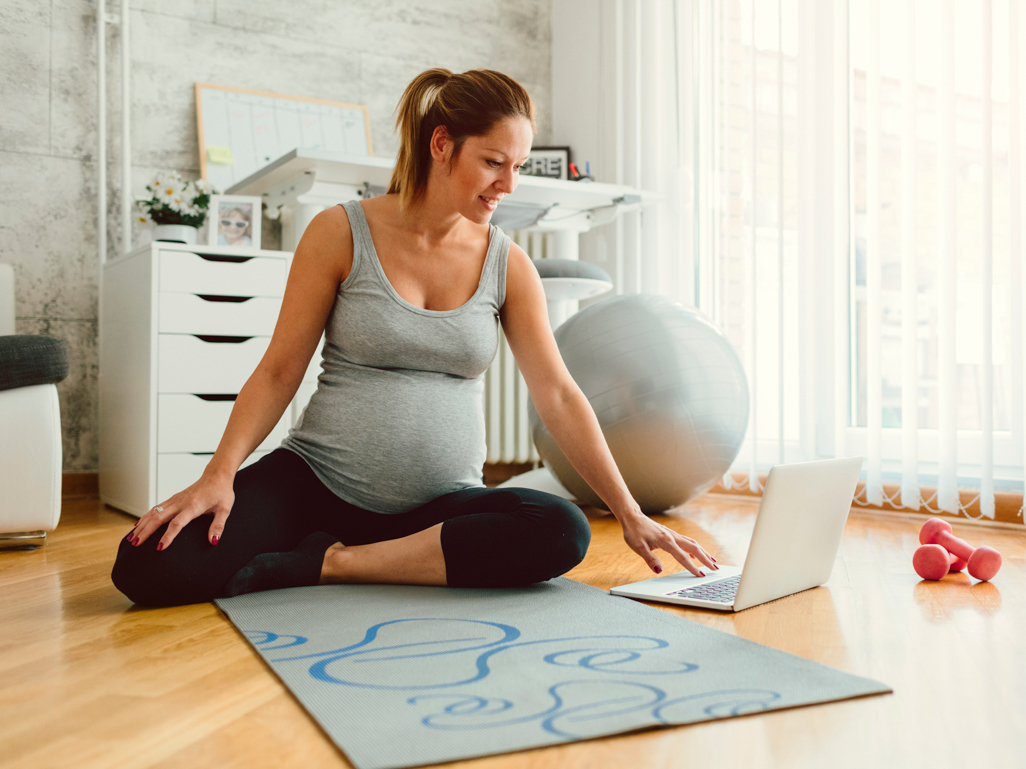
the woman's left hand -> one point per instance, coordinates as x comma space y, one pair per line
643, 536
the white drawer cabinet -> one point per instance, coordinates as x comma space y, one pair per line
217, 315
221, 274
187, 363
194, 423
182, 327
177, 471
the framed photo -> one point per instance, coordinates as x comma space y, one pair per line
550, 162
234, 220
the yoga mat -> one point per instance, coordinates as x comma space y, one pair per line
404, 676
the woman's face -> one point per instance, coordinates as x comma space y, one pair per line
233, 226
487, 168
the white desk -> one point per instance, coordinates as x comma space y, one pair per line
305, 182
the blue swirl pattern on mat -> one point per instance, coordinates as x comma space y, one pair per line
473, 645
272, 641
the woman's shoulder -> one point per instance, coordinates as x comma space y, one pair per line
329, 238
333, 224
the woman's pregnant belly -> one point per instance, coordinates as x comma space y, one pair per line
390, 440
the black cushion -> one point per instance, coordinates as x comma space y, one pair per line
32, 360
569, 268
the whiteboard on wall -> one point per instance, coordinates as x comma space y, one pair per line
241, 130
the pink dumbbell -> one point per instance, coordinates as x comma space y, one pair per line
933, 562
983, 562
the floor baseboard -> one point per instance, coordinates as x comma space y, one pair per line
87, 485
1007, 505
499, 472
80, 485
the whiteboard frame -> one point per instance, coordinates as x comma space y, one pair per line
212, 86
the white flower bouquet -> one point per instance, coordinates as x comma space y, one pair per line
175, 201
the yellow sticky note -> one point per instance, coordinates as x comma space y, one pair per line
220, 155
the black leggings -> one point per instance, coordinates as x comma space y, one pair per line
490, 537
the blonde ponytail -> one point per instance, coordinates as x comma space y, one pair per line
409, 177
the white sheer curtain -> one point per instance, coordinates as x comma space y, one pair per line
868, 169
621, 98
842, 194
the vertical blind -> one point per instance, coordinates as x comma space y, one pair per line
841, 188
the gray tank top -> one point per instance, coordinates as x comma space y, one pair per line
398, 415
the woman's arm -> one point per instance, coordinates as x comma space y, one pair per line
322, 260
570, 418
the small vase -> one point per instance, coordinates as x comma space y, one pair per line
176, 233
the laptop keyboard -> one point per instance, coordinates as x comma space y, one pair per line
721, 591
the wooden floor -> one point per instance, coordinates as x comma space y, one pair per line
86, 680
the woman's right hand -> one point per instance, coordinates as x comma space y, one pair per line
210, 495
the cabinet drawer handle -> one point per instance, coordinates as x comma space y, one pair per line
233, 259
216, 396
222, 339
202, 453
221, 298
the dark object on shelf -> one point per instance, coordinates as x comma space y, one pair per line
549, 162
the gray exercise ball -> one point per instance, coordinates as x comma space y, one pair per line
669, 392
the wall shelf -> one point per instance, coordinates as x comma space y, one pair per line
304, 182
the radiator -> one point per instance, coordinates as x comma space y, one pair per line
507, 433
506, 429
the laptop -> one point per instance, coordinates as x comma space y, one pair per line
797, 534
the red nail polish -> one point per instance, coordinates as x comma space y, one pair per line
160, 546
214, 540
658, 569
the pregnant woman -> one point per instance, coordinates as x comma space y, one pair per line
380, 479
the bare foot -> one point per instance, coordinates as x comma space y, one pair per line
330, 566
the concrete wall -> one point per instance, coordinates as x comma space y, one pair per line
342, 50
